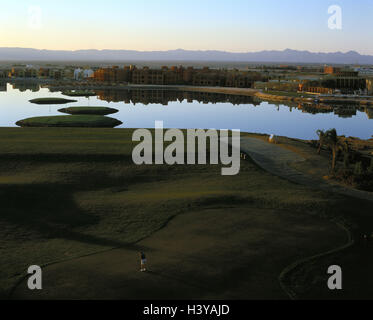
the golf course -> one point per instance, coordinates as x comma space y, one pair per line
74, 203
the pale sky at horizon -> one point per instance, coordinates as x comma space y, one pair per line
234, 25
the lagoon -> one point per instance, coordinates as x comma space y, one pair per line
185, 110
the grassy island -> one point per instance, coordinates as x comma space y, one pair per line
52, 101
89, 110
77, 121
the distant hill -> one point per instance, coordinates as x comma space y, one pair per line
285, 56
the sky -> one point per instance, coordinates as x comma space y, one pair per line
146, 25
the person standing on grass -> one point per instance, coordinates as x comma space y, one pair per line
143, 262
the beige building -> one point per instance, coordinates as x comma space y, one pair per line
178, 76
23, 73
369, 112
369, 82
3, 86
3, 74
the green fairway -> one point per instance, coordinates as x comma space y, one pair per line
67, 193
89, 110
77, 121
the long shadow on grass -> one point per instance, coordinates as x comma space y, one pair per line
66, 157
50, 211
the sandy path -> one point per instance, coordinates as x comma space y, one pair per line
275, 160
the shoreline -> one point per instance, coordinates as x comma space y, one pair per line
224, 90
317, 99
368, 102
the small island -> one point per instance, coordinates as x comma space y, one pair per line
73, 121
52, 101
103, 111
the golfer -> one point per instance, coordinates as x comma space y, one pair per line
143, 262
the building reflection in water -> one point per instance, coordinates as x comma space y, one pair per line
369, 112
163, 97
342, 111
3, 86
23, 86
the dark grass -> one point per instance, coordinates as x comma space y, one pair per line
72, 121
89, 111
71, 192
52, 101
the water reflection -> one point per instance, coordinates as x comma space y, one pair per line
3, 86
164, 97
139, 108
342, 111
24, 86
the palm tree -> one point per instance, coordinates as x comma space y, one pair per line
321, 134
336, 144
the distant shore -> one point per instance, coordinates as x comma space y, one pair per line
364, 101
318, 99
222, 90
225, 90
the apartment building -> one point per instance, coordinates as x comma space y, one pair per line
148, 76
113, 75
178, 76
369, 85
23, 72
3, 74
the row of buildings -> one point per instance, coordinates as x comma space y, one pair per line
348, 79
330, 81
314, 79
31, 72
178, 76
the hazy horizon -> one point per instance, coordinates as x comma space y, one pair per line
233, 26
181, 49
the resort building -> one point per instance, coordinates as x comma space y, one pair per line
178, 76
369, 85
3, 87
331, 70
113, 75
44, 73
369, 112
345, 80
320, 90
3, 74
364, 71
56, 74
78, 74
23, 73
157, 96
88, 73
147, 76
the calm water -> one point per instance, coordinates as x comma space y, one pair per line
140, 108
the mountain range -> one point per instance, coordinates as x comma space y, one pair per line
276, 56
